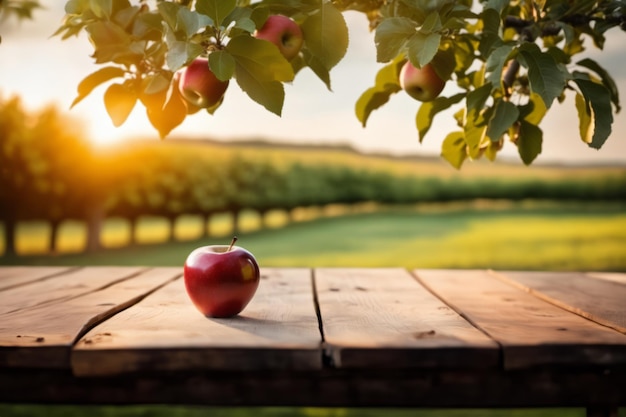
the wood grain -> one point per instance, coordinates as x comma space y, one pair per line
383, 318
63, 287
43, 335
599, 300
531, 331
13, 276
277, 330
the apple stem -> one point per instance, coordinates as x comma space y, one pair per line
232, 243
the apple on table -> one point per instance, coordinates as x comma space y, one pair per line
221, 279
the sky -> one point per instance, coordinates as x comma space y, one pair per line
45, 70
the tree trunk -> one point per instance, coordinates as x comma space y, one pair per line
207, 225
132, 224
10, 226
54, 234
172, 226
95, 217
235, 224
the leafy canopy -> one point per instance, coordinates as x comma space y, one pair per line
510, 61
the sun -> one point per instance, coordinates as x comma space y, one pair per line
102, 133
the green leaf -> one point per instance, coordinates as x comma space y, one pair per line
269, 94
474, 128
108, 39
477, 98
316, 66
260, 58
598, 108
222, 64
391, 37
217, 10
428, 110
119, 101
432, 23
585, 121
444, 63
93, 80
529, 142
326, 35
504, 115
385, 85
245, 24
544, 74
606, 78
165, 109
495, 64
180, 53
422, 48
491, 21
453, 149
534, 111
101, 8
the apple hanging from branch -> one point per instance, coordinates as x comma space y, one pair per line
422, 84
283, 32
199, 86
221, 279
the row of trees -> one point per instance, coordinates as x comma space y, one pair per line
48, 172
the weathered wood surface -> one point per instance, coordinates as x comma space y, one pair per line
277, 330
531, 331
63, 287
385, 337
383, 318
13, 276
599, 300
609, 276
43, 334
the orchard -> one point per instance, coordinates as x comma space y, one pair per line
508, 63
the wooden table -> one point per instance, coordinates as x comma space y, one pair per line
322, 337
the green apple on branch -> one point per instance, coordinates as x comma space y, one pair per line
506, 63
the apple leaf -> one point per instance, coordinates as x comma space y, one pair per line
428, 110
326, 35
544, 74
453, 149
534, 111
108, 40
422, 48
101, 8
504, 115
269, 94
391, 37
495, 64
165, 109
180, 53
477, 98
222, 64
474, 128
598, 111
316, 66
606, 78
119, 101
93, 80
217, 10
529, 142
260, 58
385, 85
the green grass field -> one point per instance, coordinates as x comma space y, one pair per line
552, 237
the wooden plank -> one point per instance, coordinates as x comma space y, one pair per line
62, 287
383, 318
277, 330
43, 335
530, 330
13, 276
609, 276
599, 300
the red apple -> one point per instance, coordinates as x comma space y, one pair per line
283, 32
199, 86
422, 84
220, 279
